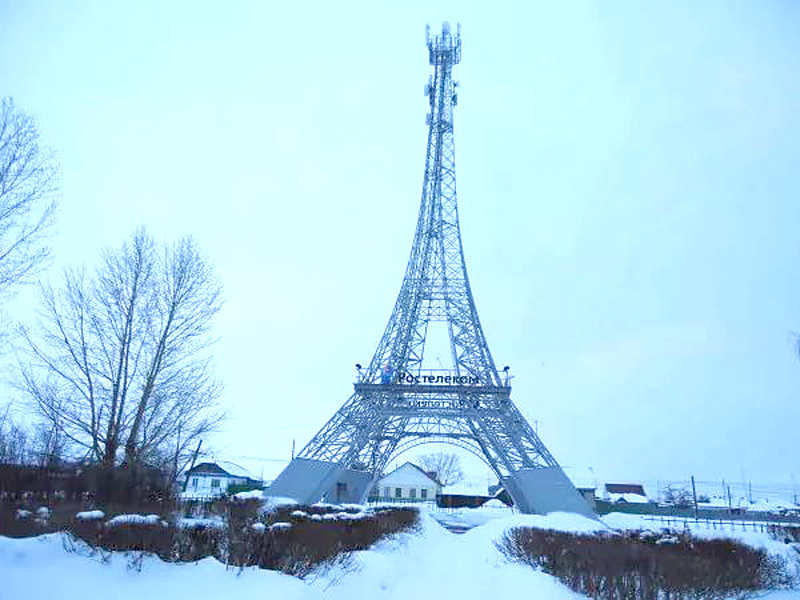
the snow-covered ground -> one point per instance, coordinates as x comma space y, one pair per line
432, 563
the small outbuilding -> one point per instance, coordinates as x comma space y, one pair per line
631, 493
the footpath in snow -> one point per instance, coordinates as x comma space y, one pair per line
432, 563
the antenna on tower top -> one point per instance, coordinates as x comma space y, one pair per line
444, 48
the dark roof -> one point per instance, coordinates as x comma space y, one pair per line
625, 488
207, 469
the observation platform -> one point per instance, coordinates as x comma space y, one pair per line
430, 389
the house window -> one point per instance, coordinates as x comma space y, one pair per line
423, 493
214, 483
386, 492
398, 492
194, 482
413, 493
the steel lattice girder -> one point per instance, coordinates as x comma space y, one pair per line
382, 418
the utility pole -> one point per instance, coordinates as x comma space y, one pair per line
191, 466
750, 491
730, 502
292, 448
177, 452
694, 496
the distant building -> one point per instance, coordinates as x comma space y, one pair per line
499, 492
589, 494
631, 493
471, 494
210, 480
407, 483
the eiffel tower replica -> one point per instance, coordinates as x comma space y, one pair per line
399, 401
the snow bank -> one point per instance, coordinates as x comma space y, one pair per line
494, 503
431, 563
272, 503
344, 516
36, 568
250, 495
195, 523
498, 517
438, 564
90, 515
137, 519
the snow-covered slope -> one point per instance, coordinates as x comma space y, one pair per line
433, 563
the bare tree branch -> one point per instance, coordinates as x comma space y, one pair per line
445, 465
120, 361
27, 198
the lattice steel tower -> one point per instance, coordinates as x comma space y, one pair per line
400, 400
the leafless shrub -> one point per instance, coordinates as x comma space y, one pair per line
196, 543
309, 543
647, 566
784, 533
296, 540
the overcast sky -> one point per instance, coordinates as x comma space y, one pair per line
628, 178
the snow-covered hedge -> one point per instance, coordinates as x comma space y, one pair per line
644, 564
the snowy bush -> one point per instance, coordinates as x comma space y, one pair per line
299, 540
288, 537
90, 515
642, 565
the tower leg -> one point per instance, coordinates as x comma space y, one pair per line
544, 490
309, 481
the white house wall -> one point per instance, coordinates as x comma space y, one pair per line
410, 481
201, 485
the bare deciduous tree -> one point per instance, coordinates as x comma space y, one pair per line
120, 360
14, 441
678, 497
445, 465
27, 190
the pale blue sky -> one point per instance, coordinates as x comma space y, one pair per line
628, 180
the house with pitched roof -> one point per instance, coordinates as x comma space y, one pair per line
632, 493
211, 480
407, 483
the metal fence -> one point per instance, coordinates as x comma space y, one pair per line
777, 528
604, 507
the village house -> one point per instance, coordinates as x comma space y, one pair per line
631, 493
407, 483
210, 480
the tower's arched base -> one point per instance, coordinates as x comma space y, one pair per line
534, 491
